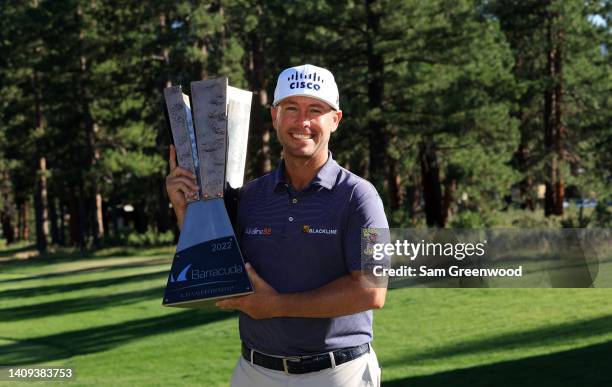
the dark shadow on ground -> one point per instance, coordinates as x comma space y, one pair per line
101, 268
535, 337
91, 340
62, 288
587, 366
71, 255
10, 251
75, 305
133, 252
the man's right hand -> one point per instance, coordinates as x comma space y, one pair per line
180, 185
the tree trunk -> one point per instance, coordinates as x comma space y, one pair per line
559, 127
394, 181
413, 195
62, 224
84, 213
77, 224
449, 197
41, 211
53, 221
554, 131
140, 217
24, 226
7, 216
521, 161
521, 156
114, 215
7, 227
260, 117
40, 208
527, 194
430, 178
376, 128
99, 223
19, 225
94, 215
7, 210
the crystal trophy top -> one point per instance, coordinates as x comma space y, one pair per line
181, 125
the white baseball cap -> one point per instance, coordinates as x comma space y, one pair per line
307, 81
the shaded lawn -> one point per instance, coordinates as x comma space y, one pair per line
101, 314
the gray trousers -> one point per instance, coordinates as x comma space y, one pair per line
361, 372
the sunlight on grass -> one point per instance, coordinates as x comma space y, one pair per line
102, 315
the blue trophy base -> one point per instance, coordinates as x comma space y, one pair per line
208, 264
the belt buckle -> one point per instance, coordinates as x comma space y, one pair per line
286, 359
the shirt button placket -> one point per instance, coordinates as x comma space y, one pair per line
290, 216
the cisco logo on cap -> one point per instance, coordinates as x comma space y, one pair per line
303, 81
307, 81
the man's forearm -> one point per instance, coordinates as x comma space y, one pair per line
180, 217
344, 296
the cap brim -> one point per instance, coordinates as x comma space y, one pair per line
275, 103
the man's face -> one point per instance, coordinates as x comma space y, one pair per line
303, 126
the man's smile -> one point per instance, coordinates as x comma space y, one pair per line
302, 136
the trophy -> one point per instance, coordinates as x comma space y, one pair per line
210, 136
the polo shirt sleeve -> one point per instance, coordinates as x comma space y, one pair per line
366, 210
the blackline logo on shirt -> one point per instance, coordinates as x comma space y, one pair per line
266, 231
328, 231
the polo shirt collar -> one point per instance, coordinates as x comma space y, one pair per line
326, 177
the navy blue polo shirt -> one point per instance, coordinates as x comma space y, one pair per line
299, 241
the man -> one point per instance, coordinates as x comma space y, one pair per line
309, 321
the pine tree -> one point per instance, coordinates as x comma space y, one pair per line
564, 86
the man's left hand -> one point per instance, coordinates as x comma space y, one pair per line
263, 303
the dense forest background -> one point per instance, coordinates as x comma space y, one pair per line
462, 113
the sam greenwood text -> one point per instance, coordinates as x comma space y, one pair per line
458, 251
452, 271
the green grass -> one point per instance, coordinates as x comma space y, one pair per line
101, 315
